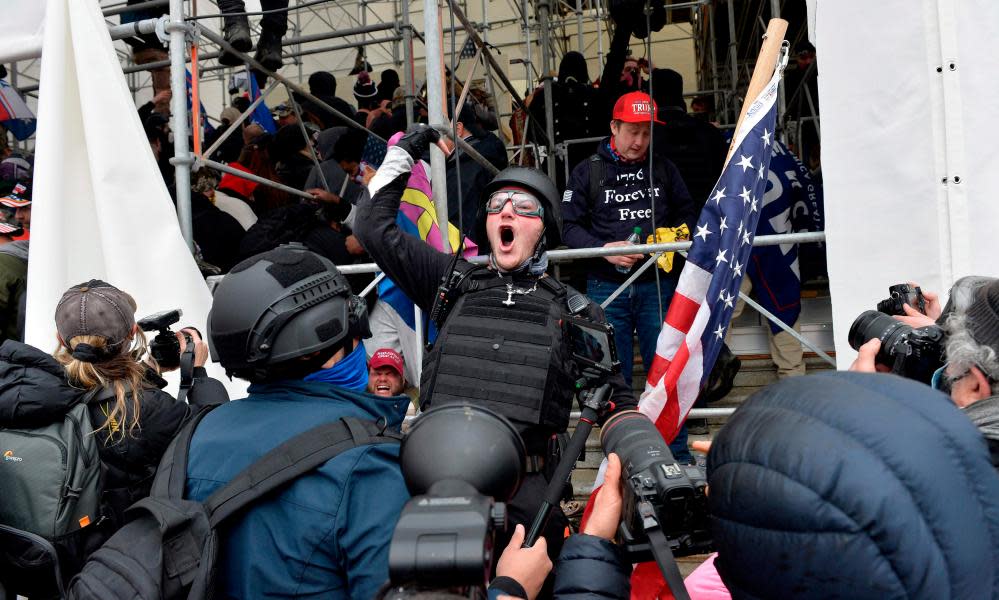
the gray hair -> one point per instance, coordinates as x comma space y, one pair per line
962, 293
963, 352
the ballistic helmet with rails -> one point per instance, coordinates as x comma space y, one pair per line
279, 306
539, 185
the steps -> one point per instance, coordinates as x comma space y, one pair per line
757, 372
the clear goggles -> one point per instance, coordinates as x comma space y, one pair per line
524, 204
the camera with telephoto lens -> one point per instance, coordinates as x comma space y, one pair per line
914, 353
900, 294
165, 347
659, 493
461, 464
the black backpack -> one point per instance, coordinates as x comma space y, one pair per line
169, 548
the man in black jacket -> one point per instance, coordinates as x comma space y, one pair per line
608, 197
501, 343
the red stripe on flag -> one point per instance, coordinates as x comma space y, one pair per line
659, 367
682, 311
667, 421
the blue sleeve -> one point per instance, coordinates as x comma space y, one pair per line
373, 498
576, 210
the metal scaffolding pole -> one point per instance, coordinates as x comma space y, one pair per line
490, 88
733, 56
577, 253
543, 8
579, 25
181, 160
218, 39
782, 89
434, 48
322, 50
713, 52
409, 69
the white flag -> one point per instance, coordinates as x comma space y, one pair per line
100, 208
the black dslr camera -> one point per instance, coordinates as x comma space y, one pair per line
900, 294
661, 496
165, 347
911, 353
460, 463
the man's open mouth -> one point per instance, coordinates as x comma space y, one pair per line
383, 388
506, 235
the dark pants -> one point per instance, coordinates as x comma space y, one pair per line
273, 24
521, 511
636, 311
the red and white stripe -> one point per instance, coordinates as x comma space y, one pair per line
674, 379
12, 106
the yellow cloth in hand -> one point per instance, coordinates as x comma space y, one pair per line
665, 235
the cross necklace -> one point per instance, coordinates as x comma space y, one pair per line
510, 291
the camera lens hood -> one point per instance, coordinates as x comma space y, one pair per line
464, 442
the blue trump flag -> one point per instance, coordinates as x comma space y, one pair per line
261, 114
791, 203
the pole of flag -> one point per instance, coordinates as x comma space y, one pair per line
766, 62
701, 309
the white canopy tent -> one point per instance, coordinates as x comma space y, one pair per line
909, 102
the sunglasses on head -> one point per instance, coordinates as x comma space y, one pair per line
524, 204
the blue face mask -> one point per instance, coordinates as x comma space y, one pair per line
350, 373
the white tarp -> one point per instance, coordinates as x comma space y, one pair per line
909, 98
100, 209
23, 27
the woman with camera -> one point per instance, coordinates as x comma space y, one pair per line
132, 419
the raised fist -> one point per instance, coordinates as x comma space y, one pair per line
418, 139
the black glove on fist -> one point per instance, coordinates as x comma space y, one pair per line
418, 139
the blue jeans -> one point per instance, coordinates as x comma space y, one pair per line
636, 309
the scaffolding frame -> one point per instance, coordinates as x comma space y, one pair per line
181, 34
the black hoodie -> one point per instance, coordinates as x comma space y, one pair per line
34, 391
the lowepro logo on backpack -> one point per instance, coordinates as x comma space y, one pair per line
8, 456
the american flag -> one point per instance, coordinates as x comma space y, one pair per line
469, 49
15, 115
701, 309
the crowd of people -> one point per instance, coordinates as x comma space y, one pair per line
888, 485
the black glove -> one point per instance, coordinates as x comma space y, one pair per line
418, 139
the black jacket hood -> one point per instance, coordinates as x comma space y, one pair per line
33, 387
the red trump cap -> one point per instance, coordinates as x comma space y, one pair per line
635, 107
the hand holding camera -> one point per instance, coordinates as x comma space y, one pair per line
191, 335
169, 347
909, 342
606, 515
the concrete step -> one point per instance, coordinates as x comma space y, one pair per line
756, 372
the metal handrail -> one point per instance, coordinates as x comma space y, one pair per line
574, 253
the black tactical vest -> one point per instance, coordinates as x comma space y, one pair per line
506, 352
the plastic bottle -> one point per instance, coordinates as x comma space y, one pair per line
634, 238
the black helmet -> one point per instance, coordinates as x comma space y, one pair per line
281, 305
538, 184
464, 442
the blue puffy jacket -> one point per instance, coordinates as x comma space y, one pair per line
327, 534
591, 567
853, 485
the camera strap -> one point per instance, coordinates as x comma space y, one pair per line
660, 550
186, 368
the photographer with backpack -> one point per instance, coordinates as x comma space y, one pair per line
83, 431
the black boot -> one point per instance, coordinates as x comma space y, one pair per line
269, 50
237, 32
